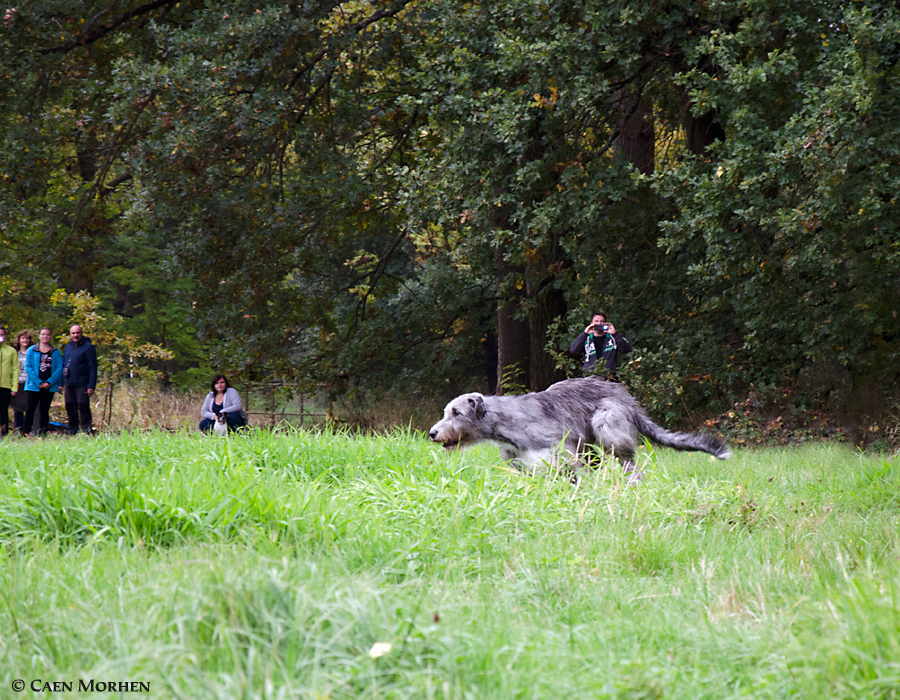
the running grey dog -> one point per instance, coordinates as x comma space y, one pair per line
539, 428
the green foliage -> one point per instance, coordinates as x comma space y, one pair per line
513, 380
155, 305
273, 170
342, 194
795, 217
118, 355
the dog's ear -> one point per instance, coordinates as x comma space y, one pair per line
478, 403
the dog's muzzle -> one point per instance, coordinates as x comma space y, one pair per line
435, 435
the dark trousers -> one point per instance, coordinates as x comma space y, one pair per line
38, 401
235, 421
5, 395
19, 404
78, 404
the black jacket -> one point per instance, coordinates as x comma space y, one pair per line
80, 359
611, 348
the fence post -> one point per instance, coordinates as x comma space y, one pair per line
272, 408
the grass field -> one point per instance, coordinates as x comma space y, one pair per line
283, 565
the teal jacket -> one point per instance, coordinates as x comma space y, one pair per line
33, 367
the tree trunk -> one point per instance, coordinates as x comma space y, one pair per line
637, 139
513, 338
701, 132
491, 360
80, 252
549, 305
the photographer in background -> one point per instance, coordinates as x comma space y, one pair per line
600, 339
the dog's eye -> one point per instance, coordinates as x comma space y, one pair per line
454, 412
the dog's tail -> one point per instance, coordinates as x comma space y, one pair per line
681, 441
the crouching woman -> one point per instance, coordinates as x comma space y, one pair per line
223, 400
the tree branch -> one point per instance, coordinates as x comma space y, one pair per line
355, 28
92, 35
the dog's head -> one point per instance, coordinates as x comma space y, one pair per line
458, 426
221, 425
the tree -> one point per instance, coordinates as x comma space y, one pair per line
796, 215
275, 173
379, 192
545, 112
716, 256
65, 187
258, 149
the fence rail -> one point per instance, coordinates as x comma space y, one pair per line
281, 415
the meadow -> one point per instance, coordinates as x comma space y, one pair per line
321, 564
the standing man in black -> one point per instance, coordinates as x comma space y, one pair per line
600, 339
79, 380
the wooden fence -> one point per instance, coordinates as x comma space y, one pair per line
276, 416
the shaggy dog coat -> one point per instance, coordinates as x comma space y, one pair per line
535, 428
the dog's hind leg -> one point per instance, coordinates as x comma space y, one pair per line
568, 465
617, 435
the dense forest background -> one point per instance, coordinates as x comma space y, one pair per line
435, 196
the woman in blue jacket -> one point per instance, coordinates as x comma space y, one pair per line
44, 366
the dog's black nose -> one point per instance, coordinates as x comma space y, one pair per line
433, 434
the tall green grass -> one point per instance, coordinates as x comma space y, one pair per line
268, 565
